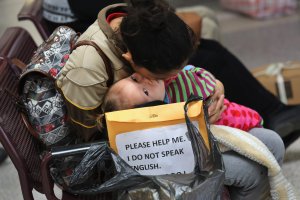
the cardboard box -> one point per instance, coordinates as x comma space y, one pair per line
267, 75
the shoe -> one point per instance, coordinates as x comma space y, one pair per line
3, 155
286, 121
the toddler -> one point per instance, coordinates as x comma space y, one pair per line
136, 90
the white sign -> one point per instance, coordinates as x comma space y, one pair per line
158, 151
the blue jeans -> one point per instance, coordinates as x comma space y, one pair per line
247, 179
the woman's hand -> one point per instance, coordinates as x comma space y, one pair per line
215, 109
216, 105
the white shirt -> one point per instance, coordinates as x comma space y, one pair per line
58, 11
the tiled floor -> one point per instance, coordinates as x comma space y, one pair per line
254, 42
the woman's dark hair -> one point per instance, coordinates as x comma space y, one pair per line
155, 36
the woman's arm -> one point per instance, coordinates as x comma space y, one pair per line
216, 106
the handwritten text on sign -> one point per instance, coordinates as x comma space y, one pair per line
157, 151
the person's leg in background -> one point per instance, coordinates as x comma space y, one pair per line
242, 87
3, 155
247, 179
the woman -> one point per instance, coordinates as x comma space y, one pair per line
83, 79
210, 55
156, 45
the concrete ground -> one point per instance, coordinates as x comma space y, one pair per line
254, 42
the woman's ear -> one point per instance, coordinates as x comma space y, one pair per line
127, 56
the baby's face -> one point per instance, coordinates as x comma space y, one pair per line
137, 89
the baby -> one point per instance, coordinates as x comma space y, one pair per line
136, 90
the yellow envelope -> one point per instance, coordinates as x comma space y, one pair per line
124, 121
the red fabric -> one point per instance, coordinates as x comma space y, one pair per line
169, 80
238, 116
114, 15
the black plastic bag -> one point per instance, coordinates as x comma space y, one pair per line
206, 182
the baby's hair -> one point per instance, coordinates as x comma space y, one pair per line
111, 103
155, 36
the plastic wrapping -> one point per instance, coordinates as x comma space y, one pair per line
206, 182
261, 9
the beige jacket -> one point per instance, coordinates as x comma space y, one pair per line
83, 78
